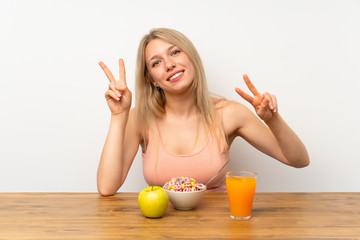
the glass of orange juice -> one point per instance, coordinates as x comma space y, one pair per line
240, 187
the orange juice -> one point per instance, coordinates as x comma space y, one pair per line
240, 192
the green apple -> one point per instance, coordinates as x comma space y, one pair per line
153, 201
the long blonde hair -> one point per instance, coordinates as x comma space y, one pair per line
150, 101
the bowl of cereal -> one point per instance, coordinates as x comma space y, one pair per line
184, 192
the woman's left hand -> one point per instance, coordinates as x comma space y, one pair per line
265, 104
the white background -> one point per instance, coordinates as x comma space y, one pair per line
54, 118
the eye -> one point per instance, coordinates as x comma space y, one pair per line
175, 52
155, 63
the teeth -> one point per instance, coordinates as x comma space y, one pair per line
176, 75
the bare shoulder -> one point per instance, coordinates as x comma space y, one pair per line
232, 109
234, 116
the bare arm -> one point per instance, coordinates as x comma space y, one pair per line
119, 151
123, 139
290, 144
275, 138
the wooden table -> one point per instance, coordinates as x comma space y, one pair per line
91, 216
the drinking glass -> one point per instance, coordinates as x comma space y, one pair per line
240, 187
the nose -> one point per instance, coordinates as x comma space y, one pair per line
169, 64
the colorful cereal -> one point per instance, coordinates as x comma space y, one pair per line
183, 184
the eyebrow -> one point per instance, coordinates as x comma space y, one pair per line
156, 56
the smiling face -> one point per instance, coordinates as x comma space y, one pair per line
169, 67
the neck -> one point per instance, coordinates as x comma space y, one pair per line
181, 106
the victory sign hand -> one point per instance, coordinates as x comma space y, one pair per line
265, 104
118, 96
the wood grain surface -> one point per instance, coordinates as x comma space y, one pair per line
91, 216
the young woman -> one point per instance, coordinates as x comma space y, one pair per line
181, 128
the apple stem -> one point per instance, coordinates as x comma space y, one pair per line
152, 188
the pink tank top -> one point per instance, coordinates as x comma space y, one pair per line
159, 165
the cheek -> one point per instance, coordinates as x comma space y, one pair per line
155, 75
192, 69
190, 65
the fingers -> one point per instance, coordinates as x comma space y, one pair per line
112, 87
111, 94
269, 101
122, 75
266, 100
265, 103
250, 85
107, 72
274, 101
116, 86
244, 95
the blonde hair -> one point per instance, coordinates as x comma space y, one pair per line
150, 101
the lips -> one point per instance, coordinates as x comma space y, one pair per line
176, 76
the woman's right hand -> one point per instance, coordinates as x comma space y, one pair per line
118, 96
